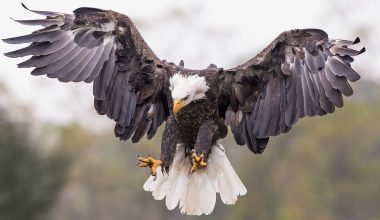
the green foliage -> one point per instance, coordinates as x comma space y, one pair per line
29, 182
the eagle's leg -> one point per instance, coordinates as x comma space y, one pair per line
169, 142
203, 145
168, 149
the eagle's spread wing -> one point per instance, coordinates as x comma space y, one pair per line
301, 73
103, 47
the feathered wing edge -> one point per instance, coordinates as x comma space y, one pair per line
103, 47
301, 73
196, 193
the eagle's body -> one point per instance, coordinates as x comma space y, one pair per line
197, 113
301, 73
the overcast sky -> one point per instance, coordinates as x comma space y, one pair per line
200, 32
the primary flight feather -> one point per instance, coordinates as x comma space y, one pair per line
301, 73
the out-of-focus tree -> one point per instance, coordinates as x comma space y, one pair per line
29, 180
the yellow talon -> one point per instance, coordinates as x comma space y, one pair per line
197, 161
149, 162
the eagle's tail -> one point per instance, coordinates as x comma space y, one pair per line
196, 193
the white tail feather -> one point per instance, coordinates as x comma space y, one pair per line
196, 193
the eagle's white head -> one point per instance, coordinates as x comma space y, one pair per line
186, 89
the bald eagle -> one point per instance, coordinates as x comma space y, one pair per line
301, 73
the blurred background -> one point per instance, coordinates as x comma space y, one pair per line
60, 160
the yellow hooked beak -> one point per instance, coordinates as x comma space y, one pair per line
177, 105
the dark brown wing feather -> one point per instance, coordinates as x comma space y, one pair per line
103, 47
301, 73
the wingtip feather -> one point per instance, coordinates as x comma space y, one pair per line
10, 55
87, 10
9, 40
45, 13
356, 41
24, 6
362, 50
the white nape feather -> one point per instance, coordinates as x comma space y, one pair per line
189, 87
196, 193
